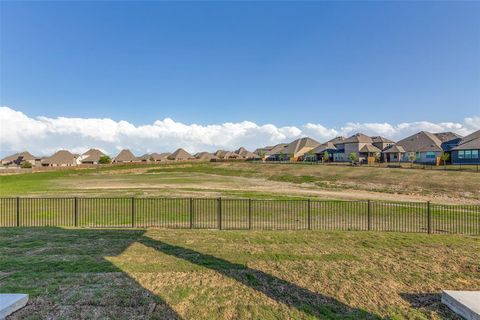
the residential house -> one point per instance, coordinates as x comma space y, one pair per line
296, 149
382, 143
362, 146
125, 156
449, 141
62, 158
18, 159
468, 150
180, 154
319, 152
245, 154
271, 152
422, 147
393, 154
92, 156
225, 155
159, 157
207, 156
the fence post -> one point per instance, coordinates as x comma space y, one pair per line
133, 212
309, 218
75, 211
429, 218
18, 211
191, 213
219, 213
249, 214
369, 215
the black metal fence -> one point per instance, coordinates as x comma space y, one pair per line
254, 214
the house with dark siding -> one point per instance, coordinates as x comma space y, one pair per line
468, 150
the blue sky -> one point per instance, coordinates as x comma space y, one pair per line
286, 63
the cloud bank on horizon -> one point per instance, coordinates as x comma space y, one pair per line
43, 136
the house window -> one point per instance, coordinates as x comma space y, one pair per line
474, 154
468, 154
461, 154
430, 155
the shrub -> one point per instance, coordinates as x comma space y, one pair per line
104, 160
26, 165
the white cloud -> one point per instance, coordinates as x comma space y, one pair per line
43, 135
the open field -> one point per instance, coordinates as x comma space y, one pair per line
249, 180
202, 274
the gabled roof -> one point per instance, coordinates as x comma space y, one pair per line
297, 145
471, 144
249, 155
370, 148
125, 156
358, 138
278, 148
92, 155
25, 156
394, 149
205, 156
324, 147
447, 136
244, 153
60, 157
422, 141
337, 140
160, 156
223, 154
379, 139
240, 150
180, 154
472, 141
145, 157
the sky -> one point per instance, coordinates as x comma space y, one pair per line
152, 76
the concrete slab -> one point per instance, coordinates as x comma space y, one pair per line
9, 303
464, 303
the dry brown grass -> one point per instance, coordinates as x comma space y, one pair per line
188, 274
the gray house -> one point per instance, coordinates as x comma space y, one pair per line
423, 147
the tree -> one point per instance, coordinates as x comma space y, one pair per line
104, 160
412, 157
281, 156
353, 157
378, 157
326, 156
26, 165
151, 159
291, 156
444, 156
310, 155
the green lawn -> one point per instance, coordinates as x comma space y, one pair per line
204, 274
252, 180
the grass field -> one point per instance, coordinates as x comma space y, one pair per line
201, 274
258, 214
249, 180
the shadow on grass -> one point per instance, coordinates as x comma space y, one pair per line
68, 276
429, 302
308, 302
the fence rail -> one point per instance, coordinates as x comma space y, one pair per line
248, 214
